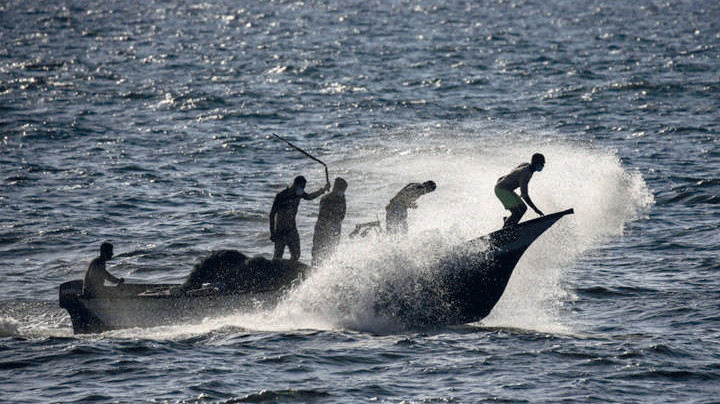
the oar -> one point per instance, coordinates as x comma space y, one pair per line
327, 176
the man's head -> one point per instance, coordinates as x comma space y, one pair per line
106, 250
429, 186
340, 185
537, 162
299, 185
299, 181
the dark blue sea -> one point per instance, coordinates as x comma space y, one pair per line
148, 124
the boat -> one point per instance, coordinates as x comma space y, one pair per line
464, 287
222, 283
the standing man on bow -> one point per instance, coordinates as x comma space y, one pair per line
518, 178
283, 230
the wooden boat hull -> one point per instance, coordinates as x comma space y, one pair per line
468, 281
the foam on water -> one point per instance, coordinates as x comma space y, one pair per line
8, 327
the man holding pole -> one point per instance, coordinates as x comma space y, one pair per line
283, 230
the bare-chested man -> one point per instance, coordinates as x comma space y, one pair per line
518, 178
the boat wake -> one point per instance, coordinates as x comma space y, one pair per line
8, 327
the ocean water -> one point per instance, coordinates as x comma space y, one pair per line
148, 124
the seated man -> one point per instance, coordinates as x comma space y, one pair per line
94, 282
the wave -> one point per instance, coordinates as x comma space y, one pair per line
284, 395
611, 292
695, 191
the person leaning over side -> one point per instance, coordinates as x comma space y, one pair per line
396, 210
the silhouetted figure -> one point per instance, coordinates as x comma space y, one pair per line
518, 178
329, 223
396, 210
94, 282
283, 231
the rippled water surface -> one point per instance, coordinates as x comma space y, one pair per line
148, 124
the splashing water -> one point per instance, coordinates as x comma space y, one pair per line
344, 292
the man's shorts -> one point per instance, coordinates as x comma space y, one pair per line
509, 199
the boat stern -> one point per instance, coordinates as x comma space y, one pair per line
83, 321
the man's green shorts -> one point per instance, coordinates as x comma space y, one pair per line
509, 199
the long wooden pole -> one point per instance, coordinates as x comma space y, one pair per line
327, 176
